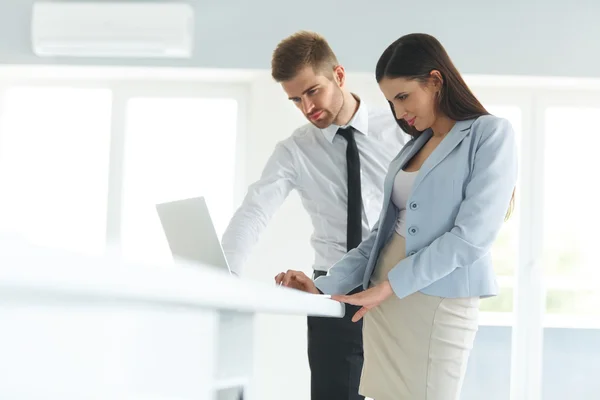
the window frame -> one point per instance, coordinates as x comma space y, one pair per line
529, 319
128, 83
125, 91
565, 98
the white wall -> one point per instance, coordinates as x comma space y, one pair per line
516, 37
282, 362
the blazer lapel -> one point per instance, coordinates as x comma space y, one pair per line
452, 139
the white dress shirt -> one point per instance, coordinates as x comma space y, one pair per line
313, 161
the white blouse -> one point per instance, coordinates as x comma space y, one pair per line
403, 183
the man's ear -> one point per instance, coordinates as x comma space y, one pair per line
339, 75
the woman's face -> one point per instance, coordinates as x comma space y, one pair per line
413, 101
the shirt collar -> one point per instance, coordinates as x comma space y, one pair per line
360, 122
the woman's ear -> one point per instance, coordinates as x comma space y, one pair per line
437, 79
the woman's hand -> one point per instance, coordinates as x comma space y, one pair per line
297, 280
368, 299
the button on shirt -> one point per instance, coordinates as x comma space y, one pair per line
313, 161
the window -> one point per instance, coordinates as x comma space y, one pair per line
175, 148
571, 215
571, 275
54, 147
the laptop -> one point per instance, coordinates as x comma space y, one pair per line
190, 232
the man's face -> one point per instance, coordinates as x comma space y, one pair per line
320, 98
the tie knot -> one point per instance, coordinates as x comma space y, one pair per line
346, 133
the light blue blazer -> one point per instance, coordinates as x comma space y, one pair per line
457, 206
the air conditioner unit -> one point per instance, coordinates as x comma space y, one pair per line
104, 29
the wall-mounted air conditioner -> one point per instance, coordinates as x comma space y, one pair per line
110, 29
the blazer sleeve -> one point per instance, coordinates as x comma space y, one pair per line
479, 218
348, 273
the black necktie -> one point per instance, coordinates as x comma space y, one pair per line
354, 225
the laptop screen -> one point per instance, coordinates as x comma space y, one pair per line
190, 232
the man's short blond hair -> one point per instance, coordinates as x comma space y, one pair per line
300, 50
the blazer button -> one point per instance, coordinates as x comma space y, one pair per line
413, 230
414, 206
412, 253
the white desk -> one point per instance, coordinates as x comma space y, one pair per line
75, 327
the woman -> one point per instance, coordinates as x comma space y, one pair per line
427, 262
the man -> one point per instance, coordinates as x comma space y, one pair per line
337, 163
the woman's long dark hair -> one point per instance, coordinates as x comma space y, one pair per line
414, 57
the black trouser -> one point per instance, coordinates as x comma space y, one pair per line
335, 355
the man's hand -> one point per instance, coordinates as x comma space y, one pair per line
296, 280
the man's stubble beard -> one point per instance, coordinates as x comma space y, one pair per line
335, 117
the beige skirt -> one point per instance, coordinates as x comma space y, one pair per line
417, 347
